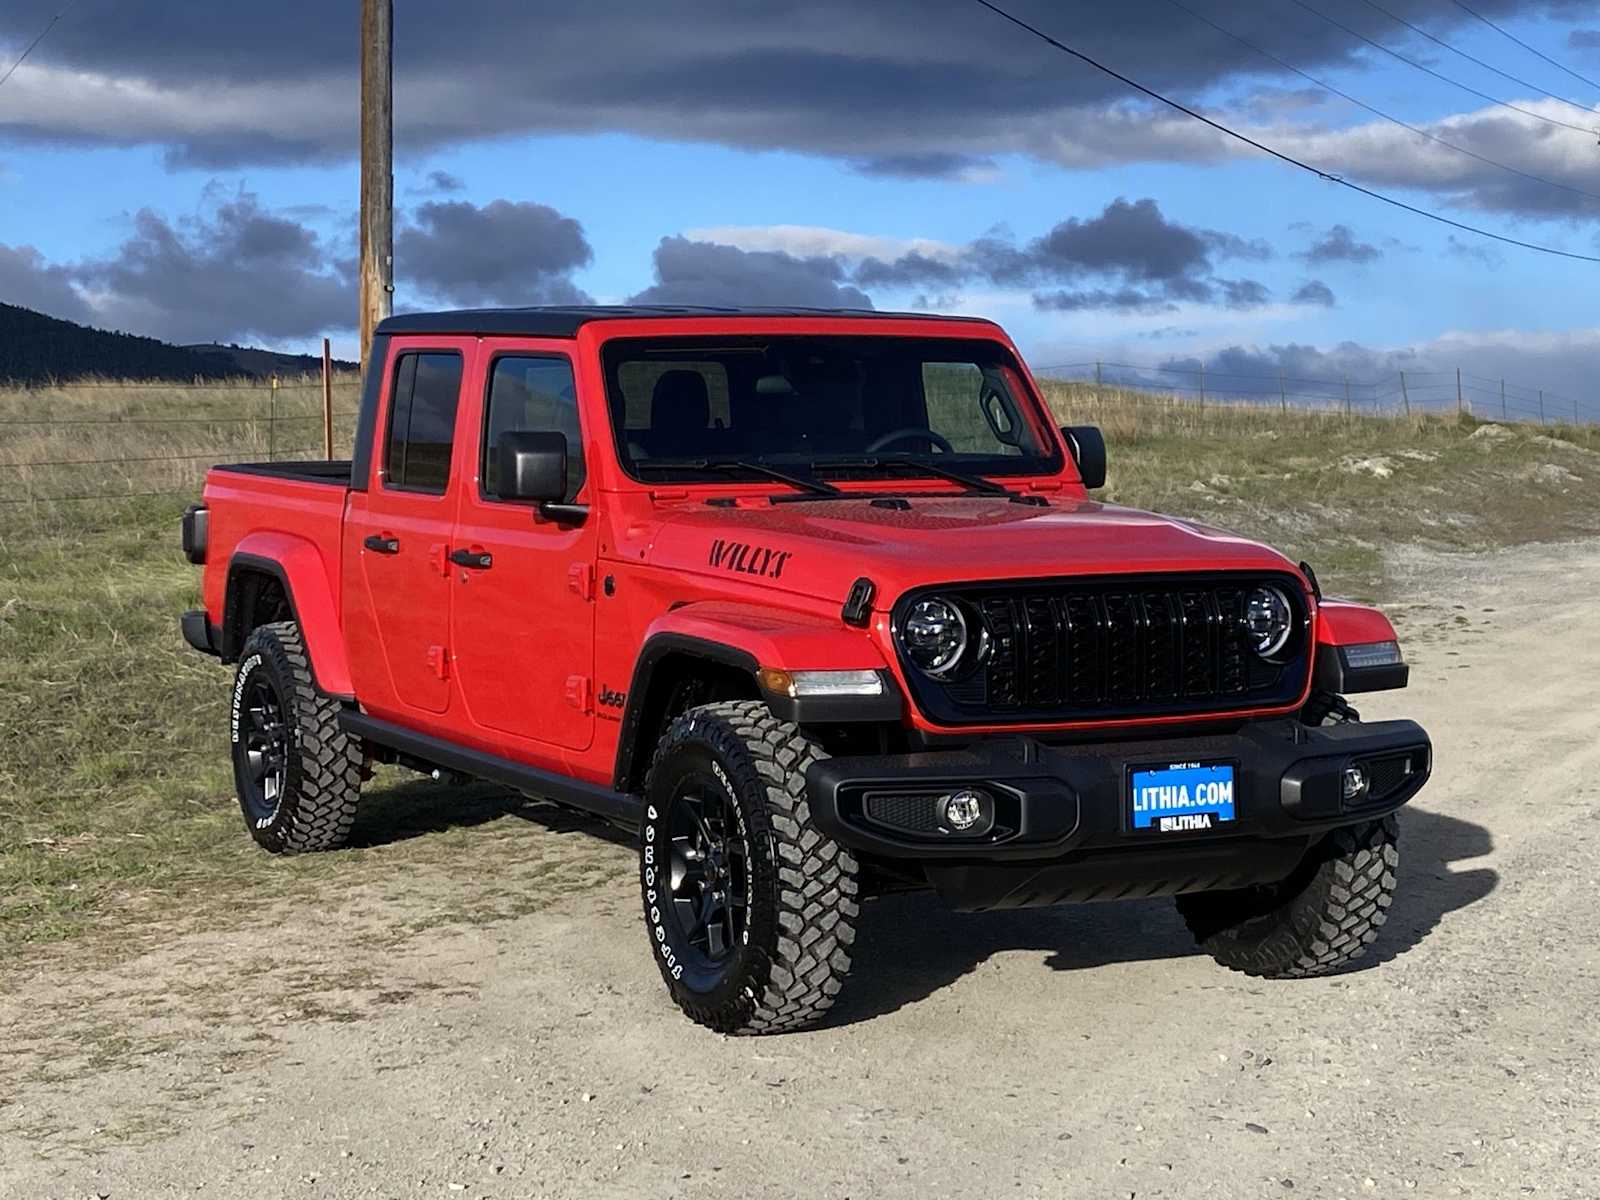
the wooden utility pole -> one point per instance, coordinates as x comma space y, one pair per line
1405, 396
377, 166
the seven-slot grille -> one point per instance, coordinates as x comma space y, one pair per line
1103, 649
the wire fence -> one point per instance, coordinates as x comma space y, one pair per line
109, 441
112, 441
1405, 393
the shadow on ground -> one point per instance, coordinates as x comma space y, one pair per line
418, 807
909, 947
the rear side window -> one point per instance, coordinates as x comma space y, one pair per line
422, 422
536, 395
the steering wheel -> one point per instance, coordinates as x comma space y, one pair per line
906, 434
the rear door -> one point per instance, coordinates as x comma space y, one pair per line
523, 620
402, 532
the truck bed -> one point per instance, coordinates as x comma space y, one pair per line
333, 471
264, 508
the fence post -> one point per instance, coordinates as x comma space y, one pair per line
1405, 396
1576, 419
1202, 387
1461, 405
272, 422
1283, 392
1541, 406
1502, 399
1347, 397
1098, 383
327, 399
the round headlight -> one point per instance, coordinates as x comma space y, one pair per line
1268, 620
934, 635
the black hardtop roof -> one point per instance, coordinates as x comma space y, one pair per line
567, 320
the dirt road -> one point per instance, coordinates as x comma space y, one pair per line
353, 1051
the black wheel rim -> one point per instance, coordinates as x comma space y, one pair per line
263, 748
708, 873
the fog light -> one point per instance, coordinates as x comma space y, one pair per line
960, 811
1355, 783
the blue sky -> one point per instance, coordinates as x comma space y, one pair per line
136, 192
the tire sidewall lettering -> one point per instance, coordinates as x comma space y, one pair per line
656, 903
246, 669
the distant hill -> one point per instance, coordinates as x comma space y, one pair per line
244, 360
35, 348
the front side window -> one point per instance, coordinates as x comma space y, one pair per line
422, 422
834, 407
535, 394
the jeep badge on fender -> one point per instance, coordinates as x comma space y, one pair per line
861, 626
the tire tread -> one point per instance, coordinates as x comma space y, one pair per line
322, 813
1326, 925
818, 898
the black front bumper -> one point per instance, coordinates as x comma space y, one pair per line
1056, 825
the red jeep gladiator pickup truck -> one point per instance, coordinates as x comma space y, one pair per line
819, 605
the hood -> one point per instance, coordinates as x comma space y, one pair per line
819, 548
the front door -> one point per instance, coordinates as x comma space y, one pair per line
401, 534
523, 615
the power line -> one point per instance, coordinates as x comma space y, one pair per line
1278, 154
1439, 75
1288, 66
1472, 12
23, 58
1520, 82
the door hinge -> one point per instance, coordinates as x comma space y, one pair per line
580, 578
580, 693
439, 556
439, 661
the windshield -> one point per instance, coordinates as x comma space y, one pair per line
842, 407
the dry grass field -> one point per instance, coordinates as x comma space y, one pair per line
115, 811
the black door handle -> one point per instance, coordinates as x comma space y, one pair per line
480, 560
382, 545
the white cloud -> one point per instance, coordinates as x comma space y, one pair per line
810, 241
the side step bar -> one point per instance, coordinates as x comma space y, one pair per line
618, 807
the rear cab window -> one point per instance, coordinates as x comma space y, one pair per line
420, 438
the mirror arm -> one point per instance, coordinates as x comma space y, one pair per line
564, 514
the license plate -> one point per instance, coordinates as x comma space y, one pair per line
1181, 798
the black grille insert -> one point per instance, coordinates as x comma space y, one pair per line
911, 811
1104, 649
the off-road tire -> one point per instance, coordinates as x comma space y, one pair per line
1321, 918
322, 764
802, 886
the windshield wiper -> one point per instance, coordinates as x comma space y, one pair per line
975, 484
815, 486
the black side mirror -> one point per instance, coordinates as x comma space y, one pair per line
1088, 446
532, 465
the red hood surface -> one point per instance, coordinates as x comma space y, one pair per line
819, 548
